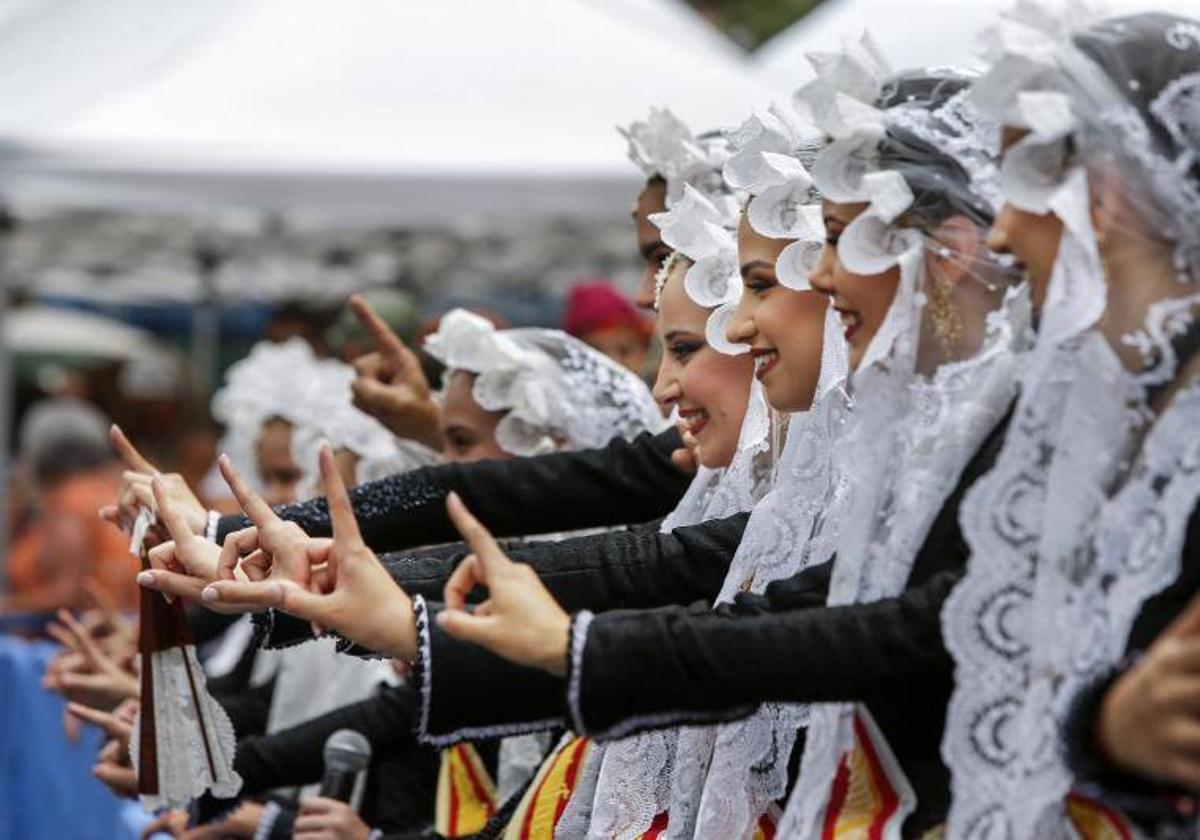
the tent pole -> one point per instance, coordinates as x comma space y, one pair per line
7, 400
206, 321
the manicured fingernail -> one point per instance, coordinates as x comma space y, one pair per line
210, 594
443, 618
145, 578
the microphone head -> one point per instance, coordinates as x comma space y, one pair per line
348, 751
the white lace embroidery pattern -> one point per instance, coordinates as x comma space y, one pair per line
184, 770
633, 782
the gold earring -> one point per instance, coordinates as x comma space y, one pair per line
946, 322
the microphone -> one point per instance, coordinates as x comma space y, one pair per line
347, 754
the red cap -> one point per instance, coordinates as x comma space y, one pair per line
598, 306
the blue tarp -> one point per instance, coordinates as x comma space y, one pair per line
46, 784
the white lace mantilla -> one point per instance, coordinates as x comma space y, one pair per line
631, 778
1028, 524
901, 458
741, 767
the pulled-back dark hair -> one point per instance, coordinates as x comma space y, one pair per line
941, 186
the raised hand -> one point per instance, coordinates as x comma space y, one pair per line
184, 565
136, 490
271, 548
520, 620
1149, 721
390, 384
348, 591
91, 677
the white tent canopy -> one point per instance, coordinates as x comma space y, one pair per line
912, 33
372, 111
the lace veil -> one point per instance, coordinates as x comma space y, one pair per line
741, 767
556, 392
628, 782
940, 372
1084, 515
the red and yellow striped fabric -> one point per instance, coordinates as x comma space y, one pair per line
466, 794
544, 802
1096, 821
865, 800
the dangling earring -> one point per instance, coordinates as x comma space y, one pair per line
943, 313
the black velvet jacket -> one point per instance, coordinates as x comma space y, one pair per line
710, 665
626, 481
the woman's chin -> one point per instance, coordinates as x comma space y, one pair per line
783, 396
713, 455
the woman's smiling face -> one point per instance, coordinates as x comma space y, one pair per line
710, 389
861, 300
784, 328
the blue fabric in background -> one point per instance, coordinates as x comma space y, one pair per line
46, 784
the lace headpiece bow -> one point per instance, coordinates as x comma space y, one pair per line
1083, 516
554, 390
663, 146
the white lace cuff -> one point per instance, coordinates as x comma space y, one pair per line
210, 529
579, 630
266, 823
423, 665
629, 726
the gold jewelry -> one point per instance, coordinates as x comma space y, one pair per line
946, 322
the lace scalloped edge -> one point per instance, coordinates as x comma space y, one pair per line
266, 823
578, 641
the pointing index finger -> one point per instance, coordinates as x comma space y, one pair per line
128, 452
379, 329
482, 544
177, 526
258, 510
341, 511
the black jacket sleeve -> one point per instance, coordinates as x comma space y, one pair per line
598, 572
626, 481
707, 668
451, 674
715, 666
401, 779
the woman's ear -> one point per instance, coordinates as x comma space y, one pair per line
957, 243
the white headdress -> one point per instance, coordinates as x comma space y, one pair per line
1084, 515
629, 781
742, 767
663, 146
266, 384
555, 391
287, 381
934, 382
